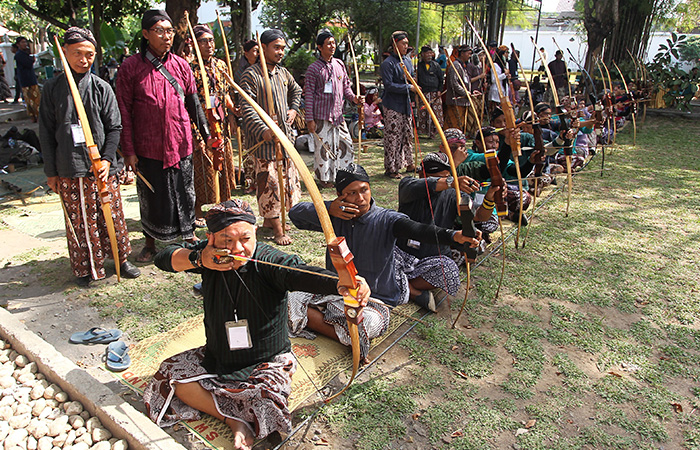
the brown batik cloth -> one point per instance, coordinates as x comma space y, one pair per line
268, 187
398, 141
260, 402
454, 116
89, 249
204, 173
32, 98
425, 122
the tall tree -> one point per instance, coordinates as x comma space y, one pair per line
301, 19
239, 20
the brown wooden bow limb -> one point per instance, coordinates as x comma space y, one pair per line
95, 158
420, 94
501, 208
611, 93
533, 118
627, 90
341, 256
230, 72
360, 106
445, 144
464, 214
555, 94
566, 66
509, 114
213, 116
279, 156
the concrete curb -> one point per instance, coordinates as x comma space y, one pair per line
119, 417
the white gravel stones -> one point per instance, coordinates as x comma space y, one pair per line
100, 434
73, 408
37, 415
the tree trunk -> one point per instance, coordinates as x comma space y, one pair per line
176, 10
97, 29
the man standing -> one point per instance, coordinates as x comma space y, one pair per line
27, 78
286, 98
559, 73
327, 84
398, 132
68, 166
457, 80
157, 97
205, 157
430, 80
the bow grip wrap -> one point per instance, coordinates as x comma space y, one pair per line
465, 212
539, 147
564, 128
496, 180
342, 260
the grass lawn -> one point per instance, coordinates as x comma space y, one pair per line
594, 341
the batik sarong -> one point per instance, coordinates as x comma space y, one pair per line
375, 321
32, 98
267, 184
260, 402
398, 141
86, 229
425, 122
332, 149
204, 173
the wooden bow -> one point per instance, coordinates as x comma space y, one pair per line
95, 158
562, 118
267, 81
341, 257
434, 118
461, 81
539, 143
360, 107
232, 120
509, 114
448, 152
611, 91
214, 116
634, 107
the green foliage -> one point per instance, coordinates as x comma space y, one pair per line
299, 60
690, 51
680, 86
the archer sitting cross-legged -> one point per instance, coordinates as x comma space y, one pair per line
371, 233
242, 375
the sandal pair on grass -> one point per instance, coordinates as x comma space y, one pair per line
117, 354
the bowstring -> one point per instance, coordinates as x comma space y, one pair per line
427, 188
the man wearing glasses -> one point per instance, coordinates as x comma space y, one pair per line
157, 97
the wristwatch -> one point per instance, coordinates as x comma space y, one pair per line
195, 258
449, 180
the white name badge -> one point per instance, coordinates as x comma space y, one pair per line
78, 135
413, 244
328, 87
238, 335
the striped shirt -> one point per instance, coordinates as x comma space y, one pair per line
322, 105
286, 95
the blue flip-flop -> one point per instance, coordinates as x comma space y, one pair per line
95, 335
118, 358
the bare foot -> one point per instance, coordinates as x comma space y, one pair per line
146, 255
282, 240
242, 437
269, 223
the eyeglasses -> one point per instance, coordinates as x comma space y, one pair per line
206, 41
160, 32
